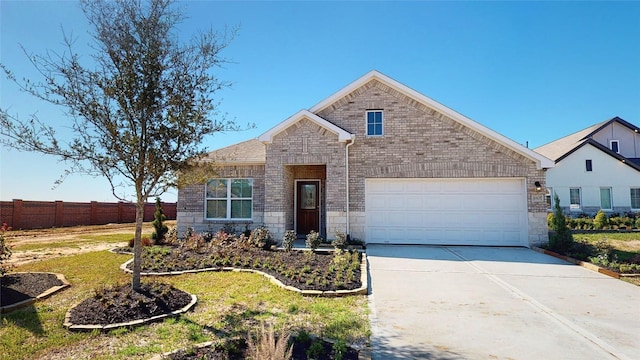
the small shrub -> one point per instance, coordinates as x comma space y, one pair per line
160, 229
315, 351
550, 221
221, 239
5, 250
339, 349
171, 237
638, 222
288, 240
341, 240
313, 240
261, 238
145, 242
615, 222
600, 220
562, 240
266, 346
603, 249
303, 336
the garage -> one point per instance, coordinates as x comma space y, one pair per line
452, 211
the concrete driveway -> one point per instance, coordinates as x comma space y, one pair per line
432, 302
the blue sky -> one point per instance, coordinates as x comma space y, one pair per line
532, 71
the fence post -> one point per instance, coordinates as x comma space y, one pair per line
94, 213
17, 214
120, 210
59, 217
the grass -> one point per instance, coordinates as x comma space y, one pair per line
625, 244
76, 242
228, 304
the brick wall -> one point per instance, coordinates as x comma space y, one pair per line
422, 143
191, 198
21, 214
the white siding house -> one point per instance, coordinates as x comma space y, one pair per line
597, 168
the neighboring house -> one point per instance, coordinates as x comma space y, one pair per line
597, 168
381, 163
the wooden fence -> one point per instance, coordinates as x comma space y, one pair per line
24, 215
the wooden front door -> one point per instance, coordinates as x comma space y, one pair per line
307, 207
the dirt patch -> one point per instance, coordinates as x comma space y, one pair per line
69, 235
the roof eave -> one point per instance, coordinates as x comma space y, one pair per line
267, 137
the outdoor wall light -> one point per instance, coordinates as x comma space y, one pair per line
538, 185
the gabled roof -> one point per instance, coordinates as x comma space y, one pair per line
343, 135
250, 152
540, 160
559, 149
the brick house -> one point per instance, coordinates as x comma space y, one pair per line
382, 163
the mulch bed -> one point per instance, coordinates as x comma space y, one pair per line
120, 304
300, 269
23, 286
236, 350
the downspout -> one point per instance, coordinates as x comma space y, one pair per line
346, 161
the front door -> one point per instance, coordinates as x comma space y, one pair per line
307, 207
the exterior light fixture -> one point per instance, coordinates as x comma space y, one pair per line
538, 185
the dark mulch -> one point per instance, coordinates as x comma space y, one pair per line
236, 350
120, 304
300, 269
23, 286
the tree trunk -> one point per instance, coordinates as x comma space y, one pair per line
137, 247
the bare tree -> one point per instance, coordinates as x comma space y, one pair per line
138, 111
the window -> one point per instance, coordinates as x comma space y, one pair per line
374, 123
588, 165
229, 199
605, 199
635, 198
549, 198
615, 146
574, 198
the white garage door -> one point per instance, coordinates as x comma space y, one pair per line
446, 211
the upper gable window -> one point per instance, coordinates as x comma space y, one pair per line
588, 165
615, 146
374, 123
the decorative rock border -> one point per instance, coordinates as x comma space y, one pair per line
44, 295
69, 325
362, 290
584, 264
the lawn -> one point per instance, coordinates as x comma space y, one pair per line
229, 304
625, 246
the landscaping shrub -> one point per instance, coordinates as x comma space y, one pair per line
288, 240
550, 221
600, 220
5, 250
341, 240
638, 223
171, 237
313, 240
160, 229
603, 250
562, 239
145, 242
261, 238
266, 346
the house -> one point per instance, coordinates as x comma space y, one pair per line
382, 163
597, 168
